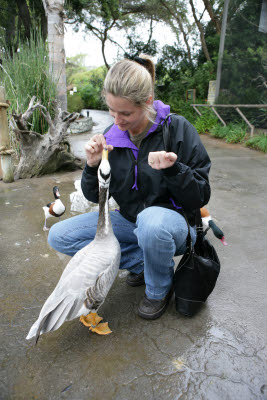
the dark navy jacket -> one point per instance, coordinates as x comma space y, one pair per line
135, 185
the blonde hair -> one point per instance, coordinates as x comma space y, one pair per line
134, 81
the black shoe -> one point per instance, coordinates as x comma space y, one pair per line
135, 279
153, 309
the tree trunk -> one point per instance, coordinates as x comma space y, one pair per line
44, 154
54, 10
103, 42
212, 15
201, 31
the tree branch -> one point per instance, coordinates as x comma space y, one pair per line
201, 31
212, 15
180, 24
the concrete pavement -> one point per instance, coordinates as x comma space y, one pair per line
217, 355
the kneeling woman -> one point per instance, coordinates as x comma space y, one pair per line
149, 185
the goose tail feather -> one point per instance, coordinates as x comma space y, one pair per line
53, 319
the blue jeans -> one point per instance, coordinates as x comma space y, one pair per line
150, 245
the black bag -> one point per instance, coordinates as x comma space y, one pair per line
197, 272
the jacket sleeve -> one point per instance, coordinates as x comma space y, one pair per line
89, 183
187, 179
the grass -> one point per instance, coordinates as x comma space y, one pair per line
236, 133
205, 122
258, 142
232, 133
26, 74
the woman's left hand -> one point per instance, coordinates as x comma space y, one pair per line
161, 159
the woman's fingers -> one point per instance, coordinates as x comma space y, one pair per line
172, 157
94, 148
161, 159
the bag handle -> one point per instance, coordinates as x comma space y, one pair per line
166, 133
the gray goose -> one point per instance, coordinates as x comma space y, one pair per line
86, 280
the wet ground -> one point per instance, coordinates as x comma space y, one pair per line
217, 355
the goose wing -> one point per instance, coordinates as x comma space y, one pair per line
88, 276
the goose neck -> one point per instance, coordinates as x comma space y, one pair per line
104, 222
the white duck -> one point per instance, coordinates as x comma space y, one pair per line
54, 209
89, 275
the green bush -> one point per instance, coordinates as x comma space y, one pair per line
200, 79
232, 133
235, 134
218, 131
75, 103
258, 142
91, 96
90, 85
183, 108
205, 122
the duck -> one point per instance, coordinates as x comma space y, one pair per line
208, 223
89, 275
55, 208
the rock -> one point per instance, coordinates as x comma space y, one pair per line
80, 126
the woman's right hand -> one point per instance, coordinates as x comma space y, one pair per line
94, 148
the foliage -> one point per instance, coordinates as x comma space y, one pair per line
136, 47
18, 19
232, 133
75, 65
175, 74
75, 103
98, 17
183, 108
89, 84
172, 71
200, 79
27, 75
236, 133
91, 96
258, 142
219, 131
213, 41
244, 62
205, 122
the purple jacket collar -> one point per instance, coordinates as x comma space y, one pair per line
119, 138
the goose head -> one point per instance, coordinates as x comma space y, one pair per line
104, 171
56, 192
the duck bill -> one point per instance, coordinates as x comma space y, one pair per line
223, 241
105, 154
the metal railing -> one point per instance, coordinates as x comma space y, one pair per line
235, 106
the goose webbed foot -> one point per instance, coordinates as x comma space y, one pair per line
93, 322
